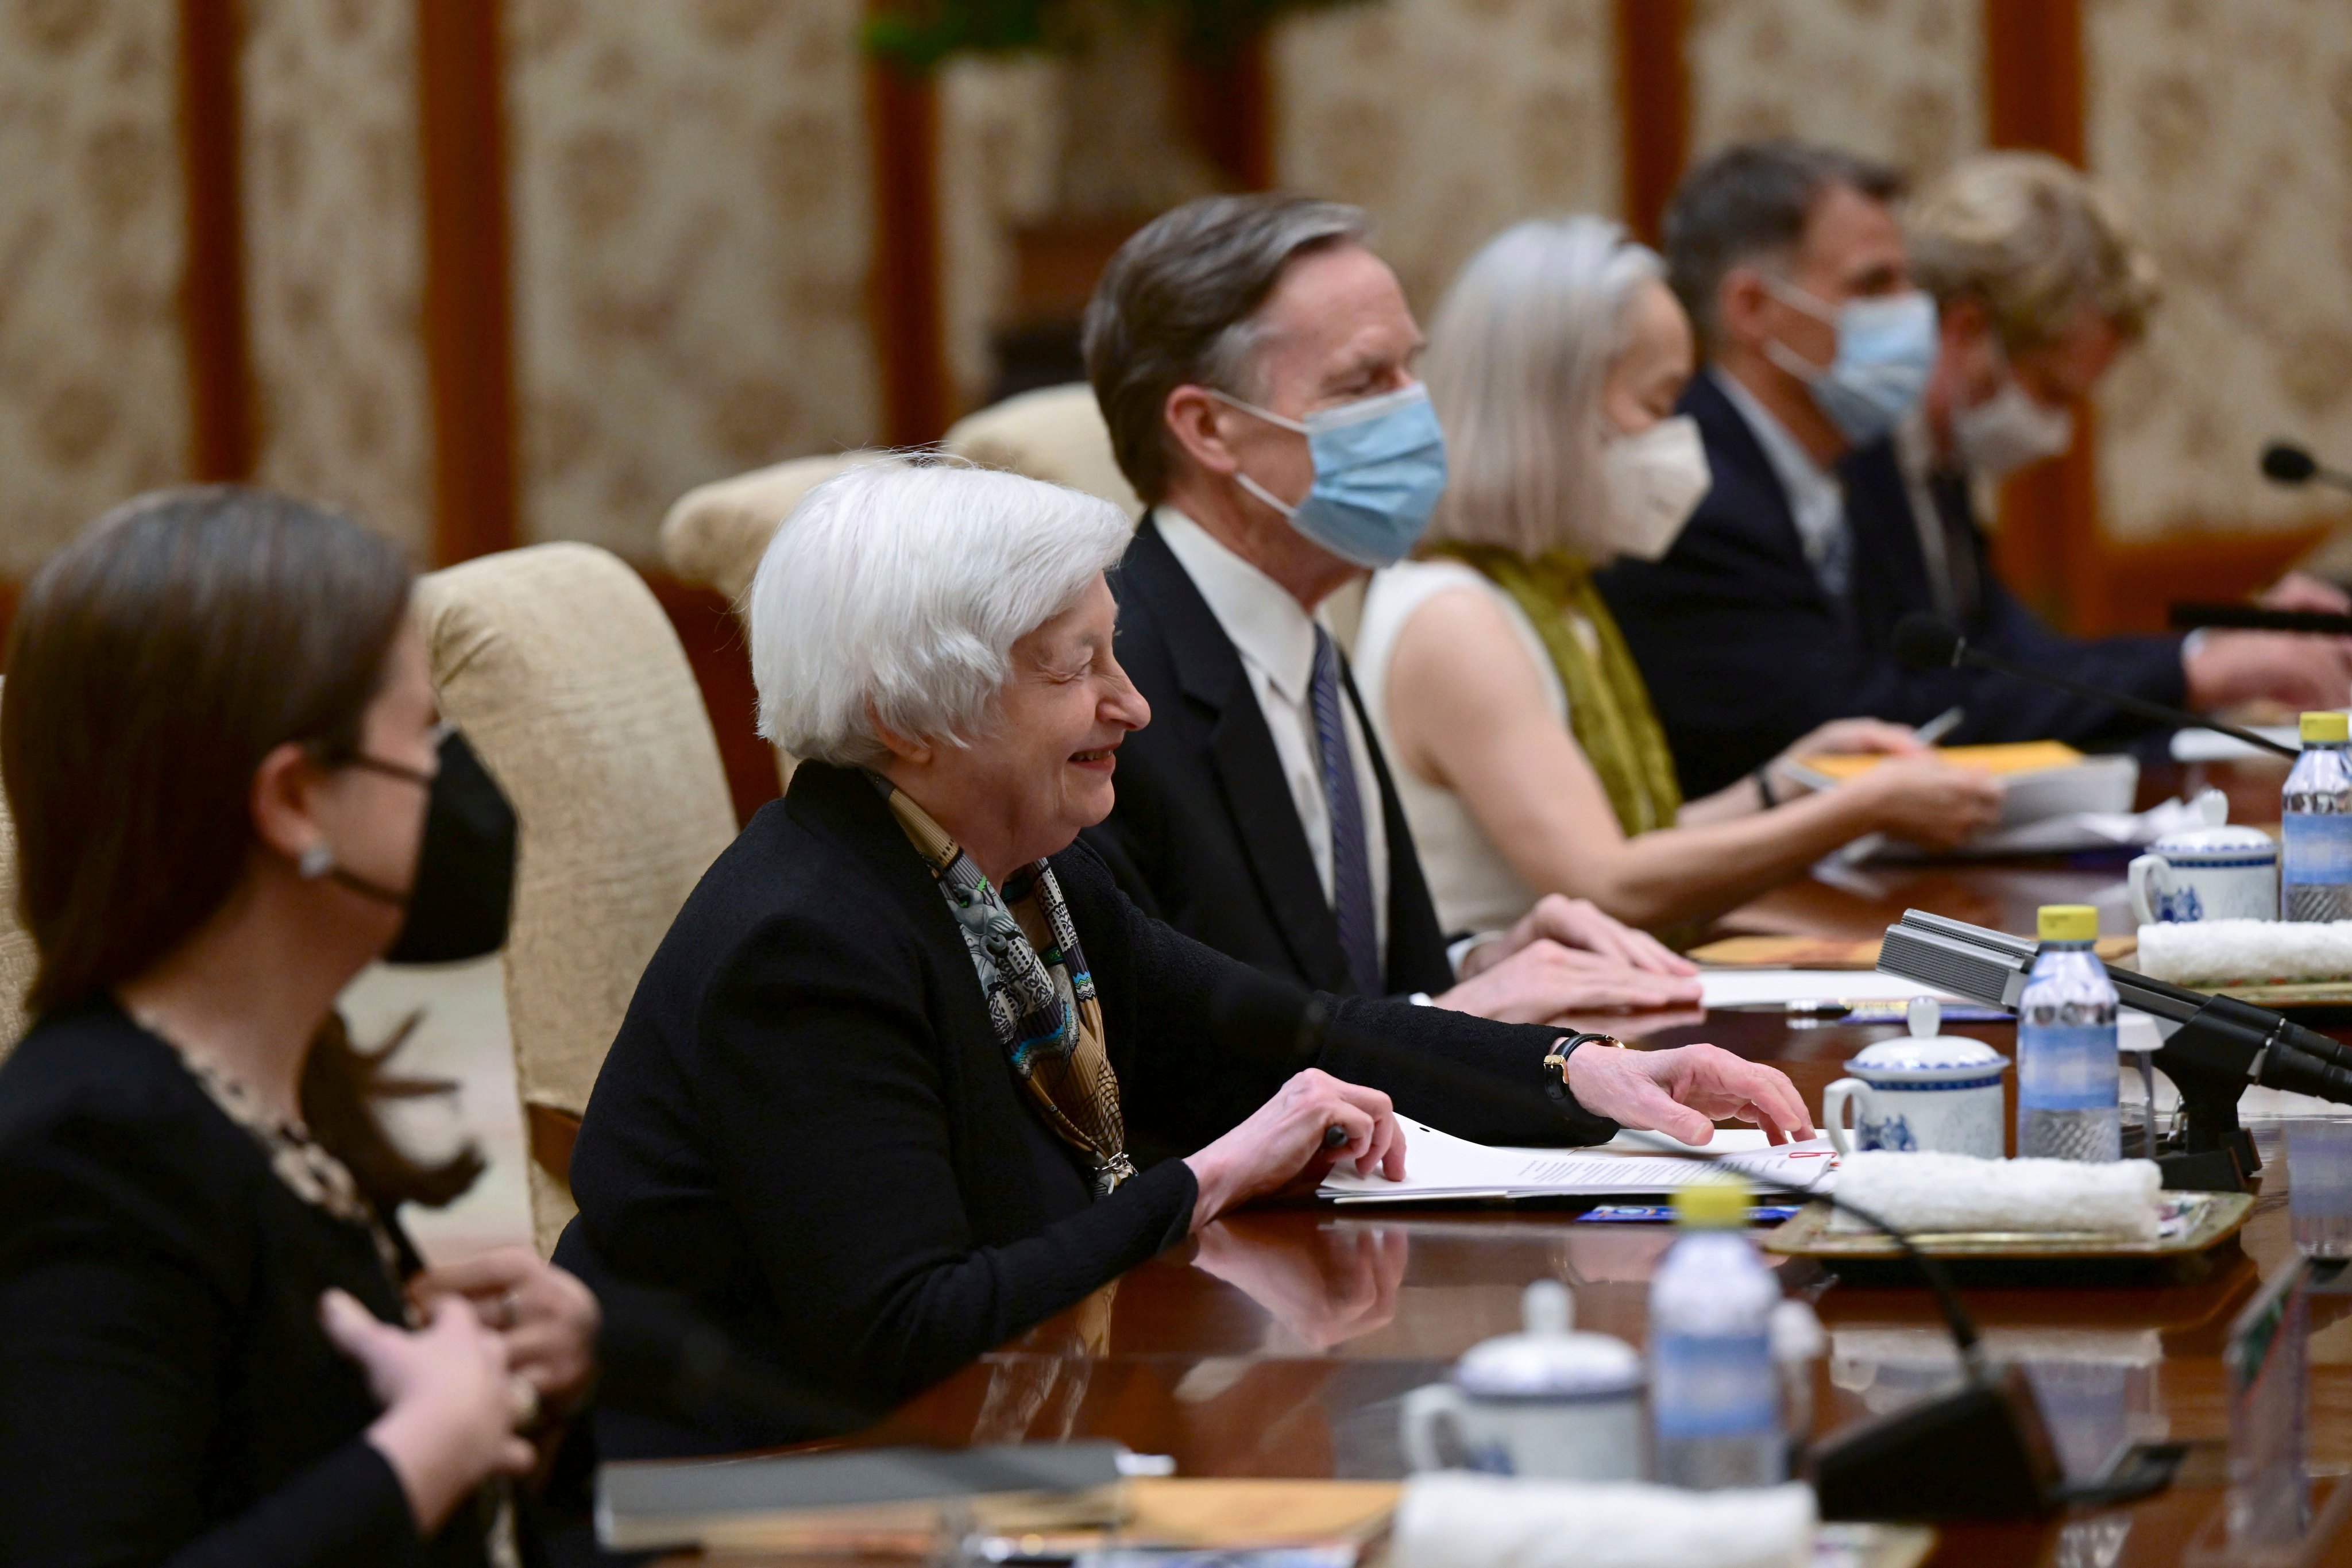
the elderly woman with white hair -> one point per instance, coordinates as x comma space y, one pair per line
910, 1074
1531, 761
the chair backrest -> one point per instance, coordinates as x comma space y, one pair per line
569, 684
1056, 433
18, 957
716, 533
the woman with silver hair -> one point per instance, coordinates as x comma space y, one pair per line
910, 1074
1531, 761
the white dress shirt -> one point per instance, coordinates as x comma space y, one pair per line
1275, 639
1816, 498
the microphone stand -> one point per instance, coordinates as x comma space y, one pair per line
2217, 1045
1962, 654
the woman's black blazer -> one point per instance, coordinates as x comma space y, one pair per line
807, 1125
166, 1393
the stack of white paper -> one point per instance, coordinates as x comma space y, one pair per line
1438, 1166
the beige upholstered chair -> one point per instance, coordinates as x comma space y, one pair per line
716, 533
570, 686
17, 955
1055, 434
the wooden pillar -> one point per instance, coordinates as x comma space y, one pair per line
1227, 104
908, 317
1653, 107
468, 315
2048, 548
220, 442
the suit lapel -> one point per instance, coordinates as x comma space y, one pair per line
1729, 437
1241, 756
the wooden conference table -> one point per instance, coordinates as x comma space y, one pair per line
1280, 1341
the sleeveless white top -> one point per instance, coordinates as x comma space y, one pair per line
1473, 885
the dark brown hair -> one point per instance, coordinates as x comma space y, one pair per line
1750, 200
153, 663
1174, 305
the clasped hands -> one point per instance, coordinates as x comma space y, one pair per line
1567, 956
508, 1339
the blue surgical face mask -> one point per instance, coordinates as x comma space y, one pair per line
1379, 466
1886, 347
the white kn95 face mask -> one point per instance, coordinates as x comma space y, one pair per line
1654, 479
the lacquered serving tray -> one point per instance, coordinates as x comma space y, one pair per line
2216, 1217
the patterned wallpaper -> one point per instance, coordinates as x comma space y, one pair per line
1899, 79
690, 240
93, 383
1002, 121
2228, 128
1449, 120
335, 258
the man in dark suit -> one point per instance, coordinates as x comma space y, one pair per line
1253, 361
1774, 611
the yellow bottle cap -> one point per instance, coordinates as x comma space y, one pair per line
1712, 1204
2325, 728
2068, 923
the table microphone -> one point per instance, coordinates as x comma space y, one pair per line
2284, 463
1930, 642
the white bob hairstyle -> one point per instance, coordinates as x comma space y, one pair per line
1518, 355
891, 597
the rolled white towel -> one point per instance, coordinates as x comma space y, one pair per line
1454, 1519
1959, 1192
2245, 953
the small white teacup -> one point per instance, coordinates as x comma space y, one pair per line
1549, 1403
2218, 873
1927, 1092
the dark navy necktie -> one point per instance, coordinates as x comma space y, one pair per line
1351, 863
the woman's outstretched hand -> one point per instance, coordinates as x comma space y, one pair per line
450, 1404
1686, 1090
1282, 1144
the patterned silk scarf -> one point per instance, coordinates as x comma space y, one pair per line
1609, 705
1033, 976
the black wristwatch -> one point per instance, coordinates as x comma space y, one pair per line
1556, 1062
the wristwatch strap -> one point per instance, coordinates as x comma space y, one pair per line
1555, 1063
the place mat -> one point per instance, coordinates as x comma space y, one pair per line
2212, 1219
1833, 952
1204, 1512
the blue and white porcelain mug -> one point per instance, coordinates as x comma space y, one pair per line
2206, 874
1924, 1092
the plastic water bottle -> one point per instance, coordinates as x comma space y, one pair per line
2316, 862
2067, 1069
1715, 1396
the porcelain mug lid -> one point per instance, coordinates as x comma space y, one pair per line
1923, 1053
1549, 1360
2224, 842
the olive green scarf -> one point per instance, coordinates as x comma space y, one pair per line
1609, 706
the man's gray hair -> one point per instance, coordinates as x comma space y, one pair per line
1751, 200
891, 597
1518, 355
1177, 305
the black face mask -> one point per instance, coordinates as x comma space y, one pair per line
457, 903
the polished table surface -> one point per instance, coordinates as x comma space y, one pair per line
1279, 1341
